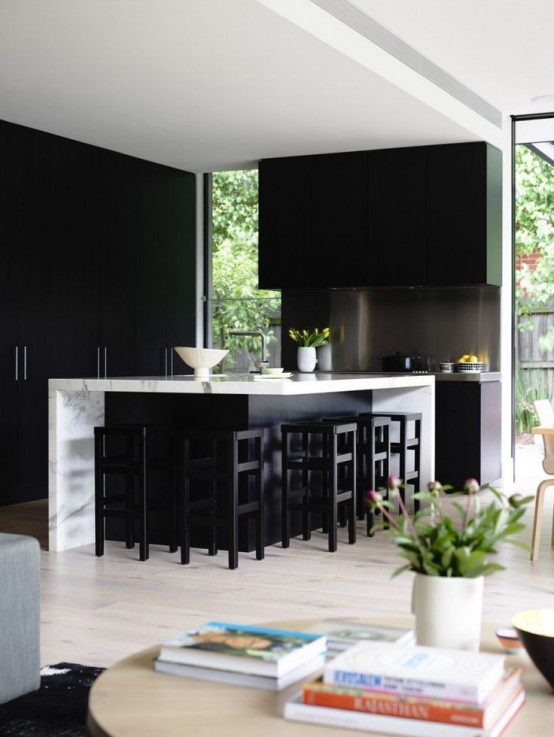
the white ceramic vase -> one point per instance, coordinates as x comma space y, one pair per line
324, 358
306, 358
448, 611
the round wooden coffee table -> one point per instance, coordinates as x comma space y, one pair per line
131, 699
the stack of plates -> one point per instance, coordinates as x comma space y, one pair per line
470, 368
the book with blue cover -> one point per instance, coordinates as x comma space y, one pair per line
417, 670
243, 648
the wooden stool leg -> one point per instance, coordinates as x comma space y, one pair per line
184, 520
306, 483
285, 522
98, 495
417, 463
353, 500
129, 495
174, 494
332, 512
259, 490
537, 519
232, 504
143, 545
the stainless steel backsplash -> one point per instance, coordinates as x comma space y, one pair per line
365, 324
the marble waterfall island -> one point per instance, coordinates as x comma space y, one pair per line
76, 406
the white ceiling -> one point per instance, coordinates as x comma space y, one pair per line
214, 84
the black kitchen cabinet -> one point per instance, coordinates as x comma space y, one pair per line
422, 216
468, 432
396, 203
10, 204
463, 214
286, 259
120, 236
339, 216
89, 237
165, 297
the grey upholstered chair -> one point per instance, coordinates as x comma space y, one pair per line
19, 616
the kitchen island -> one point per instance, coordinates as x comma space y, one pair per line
76, 406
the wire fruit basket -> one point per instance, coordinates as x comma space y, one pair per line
470, 368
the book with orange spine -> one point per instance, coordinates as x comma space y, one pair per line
317, 693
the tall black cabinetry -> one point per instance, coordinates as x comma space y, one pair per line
339, 220
285, 196
96, 278
396, 204
463, 207
422, 216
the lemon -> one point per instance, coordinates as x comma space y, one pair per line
473, 359
464, 359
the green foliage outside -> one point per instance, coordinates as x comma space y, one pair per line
238, 304
530, 385
535, 289
534, 234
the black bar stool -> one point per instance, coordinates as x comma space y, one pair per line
373, 459
124, 451
323, 455
409, 442
222, 481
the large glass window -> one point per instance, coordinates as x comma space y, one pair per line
234, 301
534, 285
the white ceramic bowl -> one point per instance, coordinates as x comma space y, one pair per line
201, 359
271, 370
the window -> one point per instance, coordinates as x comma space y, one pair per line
234, 300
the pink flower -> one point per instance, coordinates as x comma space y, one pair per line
393, 482
434, 486
374, 498
471, 486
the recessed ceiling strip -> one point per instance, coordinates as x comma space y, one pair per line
358, 21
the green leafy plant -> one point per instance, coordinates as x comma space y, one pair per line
236, 301
437, 544
310, 338
530, 384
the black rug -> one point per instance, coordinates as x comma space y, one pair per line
57, 709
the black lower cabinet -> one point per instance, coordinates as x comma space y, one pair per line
468, 432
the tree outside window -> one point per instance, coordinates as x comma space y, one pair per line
236, 302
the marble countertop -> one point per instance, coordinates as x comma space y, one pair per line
308, 383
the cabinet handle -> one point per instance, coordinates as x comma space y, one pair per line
105, 361
24, 363
17, 363
97, 361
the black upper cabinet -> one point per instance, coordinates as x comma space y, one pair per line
339, 220
285, 254
463, 214
396, 217
422, 216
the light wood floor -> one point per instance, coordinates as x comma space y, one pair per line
98, 610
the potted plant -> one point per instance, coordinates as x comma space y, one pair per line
308, 341
449, 551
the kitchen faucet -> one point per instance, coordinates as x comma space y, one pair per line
255, 334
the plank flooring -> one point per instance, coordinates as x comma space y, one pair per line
98, 610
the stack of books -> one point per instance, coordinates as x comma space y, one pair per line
244, 655
413, 691
343, 633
